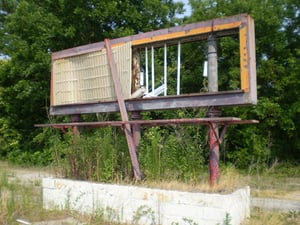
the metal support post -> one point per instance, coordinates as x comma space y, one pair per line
212, 60
214, 147
76, 118
136, 129
214, 144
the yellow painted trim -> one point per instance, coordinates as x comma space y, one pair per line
182, 34
158, 38
244, 59
227, 26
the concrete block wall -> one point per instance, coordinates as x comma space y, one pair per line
138, 205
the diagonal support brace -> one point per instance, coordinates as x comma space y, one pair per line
123, 111
221, 137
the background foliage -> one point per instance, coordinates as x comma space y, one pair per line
30, 30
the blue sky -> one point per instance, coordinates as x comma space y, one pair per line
187, 7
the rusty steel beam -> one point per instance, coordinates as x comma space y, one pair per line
163, 122
227, 98
123, 111
220, 26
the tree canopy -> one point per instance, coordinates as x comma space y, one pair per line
31, 30
277, 55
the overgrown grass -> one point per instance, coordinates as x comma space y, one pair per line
264, 217
280, 180
21, 201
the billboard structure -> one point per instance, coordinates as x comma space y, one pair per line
121, 75
82, 82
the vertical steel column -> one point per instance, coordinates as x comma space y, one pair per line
136, 129
152, 70
178, 67
76, 130
165, 69
212, 60
147, 70
214, 146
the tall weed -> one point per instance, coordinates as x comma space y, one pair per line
93, 155
172, 152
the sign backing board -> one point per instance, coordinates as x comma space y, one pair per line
87, 78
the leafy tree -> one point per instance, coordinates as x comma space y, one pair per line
277, 54
25, 76
30, 30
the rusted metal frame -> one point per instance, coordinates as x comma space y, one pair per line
201, 121
247, 53
136, 129
220, 138
214, 140
226, 121
123, 111
251, 57
227, 98
240, 23
214, 154
162, 36
77, 119
84, 124
190, 121
62, 128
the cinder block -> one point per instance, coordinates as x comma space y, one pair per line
138, 205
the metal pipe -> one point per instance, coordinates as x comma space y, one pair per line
161, 122
76, 130
165, 69
147, 70
214, 144
214, 155
152, 69
212, 58
178, 68
136, 129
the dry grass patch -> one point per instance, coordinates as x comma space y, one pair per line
264, 217
230, 180
270, 186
